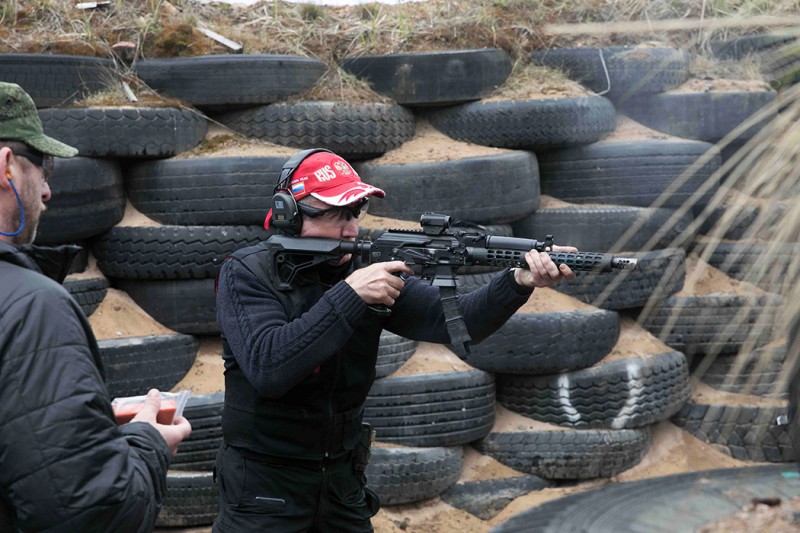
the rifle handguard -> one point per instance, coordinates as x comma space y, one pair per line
591, 261
510, 252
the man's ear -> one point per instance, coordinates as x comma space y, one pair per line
5, 168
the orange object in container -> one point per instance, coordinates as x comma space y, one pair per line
172, 404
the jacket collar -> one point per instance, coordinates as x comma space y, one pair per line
52, 261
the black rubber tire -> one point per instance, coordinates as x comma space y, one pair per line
602, 227
507, 185
568, 453
225, 79
635, 173
441, 409
760, 373
658, 274
470, 282
126, 131
393, 352
433, 78
187, 306
745, 261
621, 394
749, 221
714, 323
745, 432
632, 70
778, 54
53, 80
204, 191
89, 293
202, 460
793, 344
680, 502
704, 116
199, 454
407, 475
484, 499
744, 45
745, 217
191, 500
135, 365
354, 131
782, 66
529, 124
170, 252
198, 451
541, 343
88, 199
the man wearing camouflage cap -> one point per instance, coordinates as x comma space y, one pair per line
64, 463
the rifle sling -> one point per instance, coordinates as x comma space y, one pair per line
456, 327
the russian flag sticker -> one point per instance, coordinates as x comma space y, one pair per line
298, 188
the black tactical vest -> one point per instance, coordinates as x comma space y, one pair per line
321, 416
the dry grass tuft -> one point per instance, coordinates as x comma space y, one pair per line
705, 67
528, 81
341, 86
115, 96
224, 144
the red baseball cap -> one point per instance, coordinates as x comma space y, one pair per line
330, 179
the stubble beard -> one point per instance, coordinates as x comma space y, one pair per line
34, 208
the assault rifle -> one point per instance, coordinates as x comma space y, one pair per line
434, 254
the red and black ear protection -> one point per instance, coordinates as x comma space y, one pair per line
286, 216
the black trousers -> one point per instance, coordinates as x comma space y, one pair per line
269, 496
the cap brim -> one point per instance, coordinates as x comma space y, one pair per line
347, 193
50, 146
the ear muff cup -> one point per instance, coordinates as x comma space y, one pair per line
286, 216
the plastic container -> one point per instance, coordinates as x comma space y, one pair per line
172, 404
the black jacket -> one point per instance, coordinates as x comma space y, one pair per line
64, 463
300, 363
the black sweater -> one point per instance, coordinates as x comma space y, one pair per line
276, 354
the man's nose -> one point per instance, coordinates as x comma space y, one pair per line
350, 229
46, 192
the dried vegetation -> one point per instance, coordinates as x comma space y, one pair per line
160, 28
167, 29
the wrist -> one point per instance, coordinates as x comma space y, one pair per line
515, 275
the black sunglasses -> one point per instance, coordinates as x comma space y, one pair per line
345, 213
44, 161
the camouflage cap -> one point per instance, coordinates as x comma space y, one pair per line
19, 121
